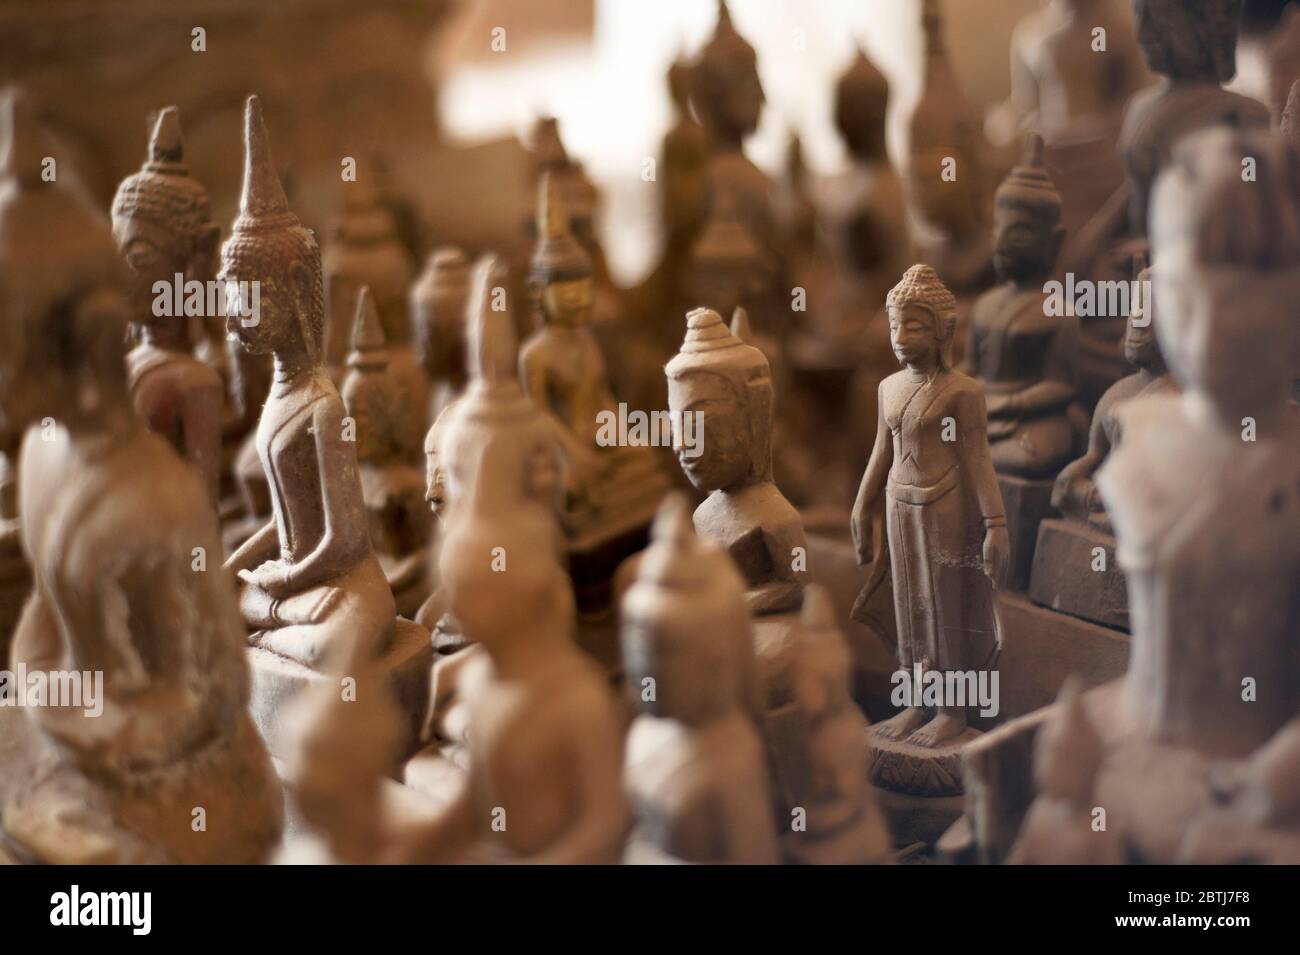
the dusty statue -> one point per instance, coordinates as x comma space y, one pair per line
367, 250
1203, 489
162, 221
122, 538
1064, 825
1025, 358
721, 387
1075, 493
931, 473
696, 769
312, 584
545, 754
394, 490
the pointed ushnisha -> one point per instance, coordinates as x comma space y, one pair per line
368, 344
493, 345
262, 204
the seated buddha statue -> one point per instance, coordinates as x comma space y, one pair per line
1026, 359
118, 530
312, 585
162, 222
394, 490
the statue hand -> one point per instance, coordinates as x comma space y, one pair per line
271, 576
997, 555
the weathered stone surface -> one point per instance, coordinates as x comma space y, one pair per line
1066, 577
1028, 503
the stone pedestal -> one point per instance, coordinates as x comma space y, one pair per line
1027, 503
276, 681
919, 787
1075, 572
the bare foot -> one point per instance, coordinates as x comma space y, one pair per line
899, 725
946, 725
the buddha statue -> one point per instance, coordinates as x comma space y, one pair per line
1202, 491
439, 299
1073, 93
945, 174
1075, 493
866, 226
493, 448
726, 95
725, 385
943, 524
616, 487
366, 250
545, 752
114, 525
312, 585
162, 222
1192, 46
1059, 828
842, 824
683, 164
1025, 358
695, 767
393, 490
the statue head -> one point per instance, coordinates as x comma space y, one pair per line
922, 319
269, 246
1141, 347
725, 90
728, 383
1027, 231
1068, 752
726, 262
60, 287
162, 219
503, 581
369, 390
438, 302
1227, 268
366, 250
561, 278
496, 445
679, 78
862, 107
578, 198
1189, 40
684, 625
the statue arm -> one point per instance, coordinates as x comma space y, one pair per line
346, 537
787, 550
873, 483
1060, 375
262, 546
1075, 490
976, 460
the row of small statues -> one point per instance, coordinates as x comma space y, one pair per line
746, 745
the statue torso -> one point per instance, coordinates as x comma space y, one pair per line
287, 447
917, 413
1011, 337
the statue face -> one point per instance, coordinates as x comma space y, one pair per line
744, 99
718, 458
439, 339
152, 254
1024, 242
275, 323
947, 205
723, 445
912, 334
567, 301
